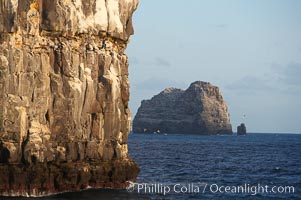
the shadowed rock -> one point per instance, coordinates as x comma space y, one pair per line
241, 129
199, 110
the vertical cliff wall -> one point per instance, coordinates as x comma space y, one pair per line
64, 92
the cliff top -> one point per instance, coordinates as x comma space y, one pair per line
68, 18
200, 87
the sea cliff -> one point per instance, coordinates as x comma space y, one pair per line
64, 92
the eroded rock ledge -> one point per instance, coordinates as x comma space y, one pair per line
200, 109
64, 92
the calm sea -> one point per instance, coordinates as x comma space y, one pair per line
256, 166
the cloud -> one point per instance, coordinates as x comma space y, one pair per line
221, 25
284, 78
158, 84
287, 75
291, 74
250, 83
157, 61
161, 62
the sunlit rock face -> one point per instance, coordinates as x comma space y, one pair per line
64, 92
198, 110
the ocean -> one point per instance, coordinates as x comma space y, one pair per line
182, 166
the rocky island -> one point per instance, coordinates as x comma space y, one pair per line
241, 129
64, 92
198, 110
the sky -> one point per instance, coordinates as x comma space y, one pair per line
250, 49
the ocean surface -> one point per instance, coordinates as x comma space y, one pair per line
255, 166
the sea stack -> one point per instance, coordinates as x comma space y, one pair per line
241, 129
198, 110
64, 92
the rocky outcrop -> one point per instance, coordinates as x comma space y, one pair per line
64, 92
241, 129
198, 110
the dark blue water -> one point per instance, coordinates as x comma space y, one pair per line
199, 165
265, 159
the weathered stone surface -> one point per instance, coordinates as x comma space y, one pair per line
64, 92
199, 110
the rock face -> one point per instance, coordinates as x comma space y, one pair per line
64, 92
242, 129
198, 110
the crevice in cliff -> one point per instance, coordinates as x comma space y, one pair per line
78, 178
47, 117
56, 182
23, 145
33, 159
93, 119
85, 95
53, 102
4, 154
58, 62
111, 173
32, 96
114, 144
58, 57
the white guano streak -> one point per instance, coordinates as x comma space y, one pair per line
14, 4
114, 16
100, 18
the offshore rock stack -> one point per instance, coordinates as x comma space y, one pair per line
64, 92
198, 110
241, 129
